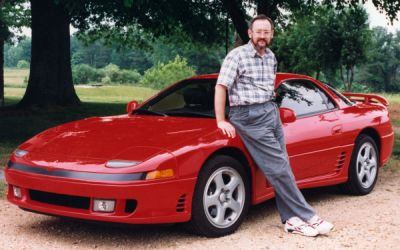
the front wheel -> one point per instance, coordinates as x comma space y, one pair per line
364, 165
221, 197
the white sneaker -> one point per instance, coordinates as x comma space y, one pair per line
322, 226
298, 226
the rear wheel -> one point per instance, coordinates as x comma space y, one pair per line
221, 197
364, 166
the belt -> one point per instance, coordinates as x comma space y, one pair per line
252, 106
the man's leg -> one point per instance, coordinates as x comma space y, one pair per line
262, 135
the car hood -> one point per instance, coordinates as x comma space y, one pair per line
136, 137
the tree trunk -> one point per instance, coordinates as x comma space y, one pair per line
347, 79
351, 78
317, 75
386, 84
238, 18
2, 72
50, 79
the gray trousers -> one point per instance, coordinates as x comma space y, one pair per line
260, 129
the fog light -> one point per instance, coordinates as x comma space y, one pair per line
17, 192
105, 206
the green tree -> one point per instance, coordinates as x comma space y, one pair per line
162, 75
356, 38
22, 64
276, 9
133, 58
13, 15
50, 79
382, 71
324, 42
310, 44
17, 51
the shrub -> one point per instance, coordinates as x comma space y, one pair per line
23, 64
128, 76
112, 71
163, 75
83, 74
116, 75
106, 80
360, 88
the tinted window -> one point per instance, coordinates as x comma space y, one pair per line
345, 99
303, 96
190, 98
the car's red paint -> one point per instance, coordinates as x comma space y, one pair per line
319, 147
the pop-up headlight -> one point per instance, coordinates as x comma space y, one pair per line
121, 163
20, 153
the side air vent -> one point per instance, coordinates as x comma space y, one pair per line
181, 205
340, 162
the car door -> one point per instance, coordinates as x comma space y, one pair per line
312, 140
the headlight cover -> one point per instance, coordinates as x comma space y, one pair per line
121, 163
20, 153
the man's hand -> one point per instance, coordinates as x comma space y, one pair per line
227, 128
220, 98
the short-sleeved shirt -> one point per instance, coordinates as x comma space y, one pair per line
249, 77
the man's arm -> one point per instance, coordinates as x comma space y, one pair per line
219, 105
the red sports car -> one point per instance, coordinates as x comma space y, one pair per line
166, 161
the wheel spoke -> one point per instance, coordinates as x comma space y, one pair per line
234, 205
361, 173
367, 152
211, 200
219, 182
372, 163
368, 177
233, 184
361, 158
220, 214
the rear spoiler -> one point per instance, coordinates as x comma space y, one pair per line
366, 98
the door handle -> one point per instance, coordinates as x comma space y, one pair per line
337, 129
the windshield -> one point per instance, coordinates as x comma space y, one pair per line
189, 98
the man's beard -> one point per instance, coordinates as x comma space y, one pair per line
258, 47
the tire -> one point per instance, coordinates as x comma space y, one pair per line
364, 166
221, 198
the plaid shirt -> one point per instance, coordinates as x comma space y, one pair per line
248, 76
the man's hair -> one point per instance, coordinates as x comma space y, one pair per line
261, 17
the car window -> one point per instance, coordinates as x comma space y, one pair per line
303, 97
191, 98
345, 99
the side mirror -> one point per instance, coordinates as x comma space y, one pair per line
287, 115
131, 106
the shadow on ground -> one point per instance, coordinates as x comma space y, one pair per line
107, 235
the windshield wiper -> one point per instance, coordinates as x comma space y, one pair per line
148, 112
190, 114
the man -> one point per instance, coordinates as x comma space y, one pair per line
248, 74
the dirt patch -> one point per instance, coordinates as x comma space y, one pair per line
361, 222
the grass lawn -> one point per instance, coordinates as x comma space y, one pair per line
17, 127
16, 77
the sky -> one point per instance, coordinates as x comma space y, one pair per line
379, 19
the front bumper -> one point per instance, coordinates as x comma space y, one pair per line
156, 201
